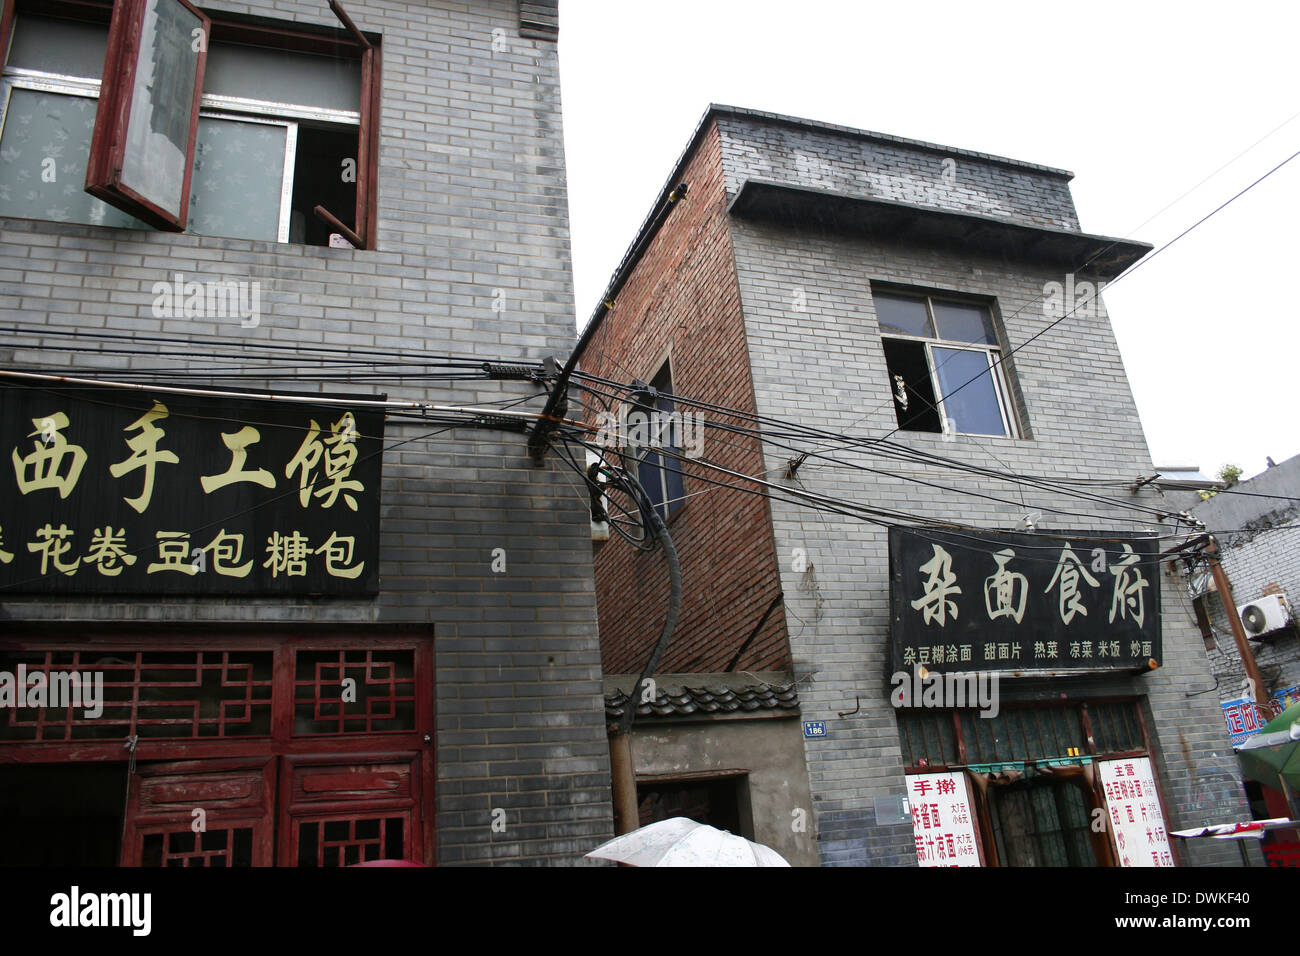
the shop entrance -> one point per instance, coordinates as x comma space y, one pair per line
264, 751
1041, 823
1037, 784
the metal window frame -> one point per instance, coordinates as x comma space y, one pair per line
992, 353
64, 85
994, 369
290, 159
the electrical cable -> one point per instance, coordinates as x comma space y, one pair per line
765, 437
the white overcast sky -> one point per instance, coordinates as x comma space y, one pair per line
1142, 100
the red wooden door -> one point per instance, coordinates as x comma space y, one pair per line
339, 811
295, 750
201, 813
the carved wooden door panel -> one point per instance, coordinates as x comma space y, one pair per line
201, 813
336, 811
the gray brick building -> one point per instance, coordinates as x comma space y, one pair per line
1261, 556
442, 121
783, 287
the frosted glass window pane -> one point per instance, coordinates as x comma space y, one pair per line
898, 314
40, 126
238, 175
963, 323
974, 410
302, 79
162, 102
67, 47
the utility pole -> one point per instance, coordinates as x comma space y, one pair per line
1260, 693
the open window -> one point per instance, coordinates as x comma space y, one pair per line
174, 119
142, 151
944, 365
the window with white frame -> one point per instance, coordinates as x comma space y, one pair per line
217, 126
944, 365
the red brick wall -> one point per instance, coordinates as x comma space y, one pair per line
682, 303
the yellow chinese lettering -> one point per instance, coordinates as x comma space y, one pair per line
43, 467
53, 547
238, 443
287, 554
338, 555
108, 550
339, 452
144, 453
5, 556
173, 550
226, 550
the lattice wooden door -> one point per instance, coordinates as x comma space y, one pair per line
201, 813
339, 811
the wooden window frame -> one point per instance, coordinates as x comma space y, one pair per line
346, 43
108, 144
282, 739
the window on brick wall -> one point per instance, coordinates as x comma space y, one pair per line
943, 364
660, 470
152, 114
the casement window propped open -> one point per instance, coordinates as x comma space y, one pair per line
200, 122
142, 152
945, 370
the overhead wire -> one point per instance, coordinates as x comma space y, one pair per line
1002, 357
918, 524
766, 437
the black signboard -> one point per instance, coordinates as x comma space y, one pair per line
115, 491
980, 601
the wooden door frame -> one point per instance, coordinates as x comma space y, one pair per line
279, 749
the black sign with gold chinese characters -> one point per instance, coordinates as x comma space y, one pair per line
109, 490
985, 600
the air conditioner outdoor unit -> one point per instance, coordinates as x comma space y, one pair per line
1266, 614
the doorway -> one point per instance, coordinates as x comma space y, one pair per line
1041, 822
259, 751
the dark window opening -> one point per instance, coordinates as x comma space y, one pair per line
1017, 734
325, 174
253, 130
909, 380
721, 803
660, 471
1203, 622
944, 365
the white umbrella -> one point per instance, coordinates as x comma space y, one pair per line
678, 841
1250, 830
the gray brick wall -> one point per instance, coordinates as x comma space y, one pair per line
1260, 548
887, 167
471, 200
824, 366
